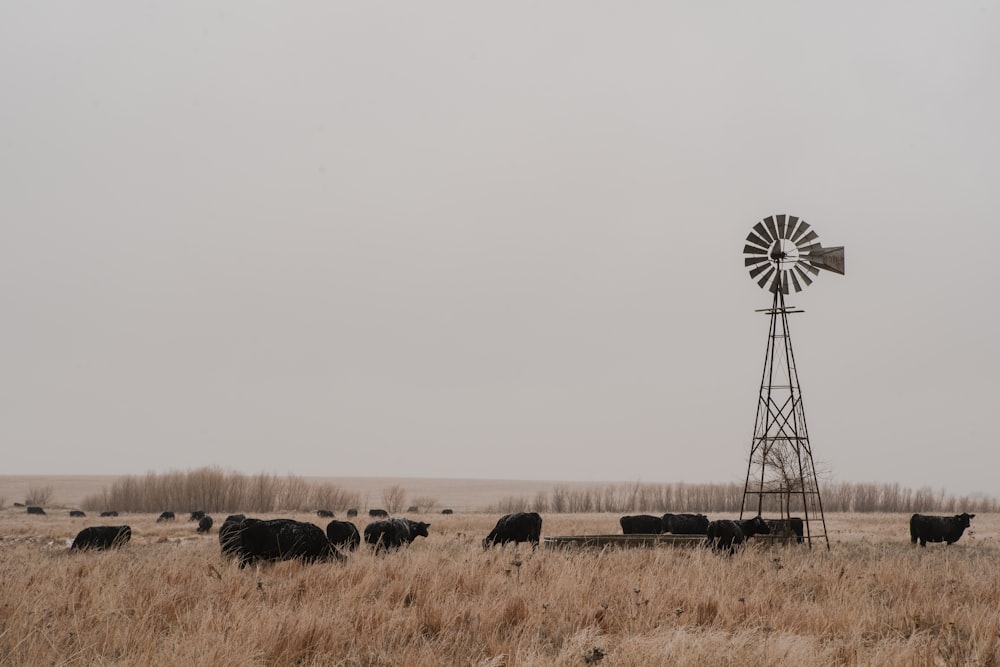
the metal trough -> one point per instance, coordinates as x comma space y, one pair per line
648, 540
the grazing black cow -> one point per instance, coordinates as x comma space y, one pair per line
283, 539
394, 533
353, 511
76, 513
378, 513
205, 524
102, 537
790, 527
685, 524
34, 509
938, 528
726, 535
229, 534
18, 504
165, 516
325, 514
641, 524
196, 515
343, 535
447, 511
109, 513
517, 527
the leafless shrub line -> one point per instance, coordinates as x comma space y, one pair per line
216, 490
728, 497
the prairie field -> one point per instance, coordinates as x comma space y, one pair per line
169, 598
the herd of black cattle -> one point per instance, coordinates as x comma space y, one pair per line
251, 540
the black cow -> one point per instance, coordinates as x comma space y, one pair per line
205, 524
938, 528
196, 515
325, 514
102, 537
343, 535
283, 539
413, 509
76, 513
394, 533
229, 534
641, 524
792, 526
378, 513
685, 524
517, 527
109, 513
726, 535
447, 511
352, 511
165, 516
34, 509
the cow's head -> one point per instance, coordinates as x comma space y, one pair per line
758, 526
420, 528
963, 519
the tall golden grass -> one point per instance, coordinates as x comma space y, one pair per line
168, 598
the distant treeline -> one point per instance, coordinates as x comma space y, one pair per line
214, 490
681, 497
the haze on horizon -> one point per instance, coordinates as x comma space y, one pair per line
452, 240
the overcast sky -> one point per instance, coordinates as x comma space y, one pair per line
455, 239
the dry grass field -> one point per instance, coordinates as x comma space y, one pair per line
168, 598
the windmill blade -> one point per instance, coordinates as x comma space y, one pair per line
812, 269
803, 228
756, 240
795, 281
763, 233
763, 281
758, 270
754, 250
802, 274
750, 261
781, 226
807, 239
769, 221
792, 224
828, 259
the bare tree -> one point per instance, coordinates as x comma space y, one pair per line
39, 495
394, 498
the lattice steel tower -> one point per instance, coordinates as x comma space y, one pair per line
781, 252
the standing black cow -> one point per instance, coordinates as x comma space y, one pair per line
76, 513
324, 514
517, 527
102, 537
205, 524
109, 513
353, 511
447, 510
229, 534
641, 524
35, 509
378, 513
792, 526
938, 528
165, 516
283, 539
685, 524
196, 515
726, 535
394, 533
343, 535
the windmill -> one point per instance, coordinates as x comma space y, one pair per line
783, 253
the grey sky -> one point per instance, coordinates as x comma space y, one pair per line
453, 239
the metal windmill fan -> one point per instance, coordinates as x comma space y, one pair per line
783, 250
